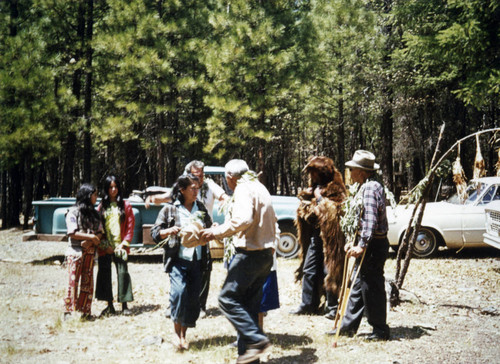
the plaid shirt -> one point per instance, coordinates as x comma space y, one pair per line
374, 218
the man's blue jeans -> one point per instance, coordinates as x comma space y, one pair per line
241, 294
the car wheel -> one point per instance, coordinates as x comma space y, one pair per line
288, 245
426, 243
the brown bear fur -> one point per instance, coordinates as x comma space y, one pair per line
326, 215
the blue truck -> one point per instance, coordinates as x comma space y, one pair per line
50, 224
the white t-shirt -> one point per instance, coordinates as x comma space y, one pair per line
209, 194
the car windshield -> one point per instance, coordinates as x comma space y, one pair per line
476, 190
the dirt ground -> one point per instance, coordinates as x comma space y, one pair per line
450, 314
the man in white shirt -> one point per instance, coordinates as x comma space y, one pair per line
252, 221
209, 190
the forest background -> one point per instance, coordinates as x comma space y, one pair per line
139, 88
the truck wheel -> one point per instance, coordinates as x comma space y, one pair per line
288, 245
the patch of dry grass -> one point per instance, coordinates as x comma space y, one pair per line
443, 318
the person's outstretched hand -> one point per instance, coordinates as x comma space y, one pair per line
206, 235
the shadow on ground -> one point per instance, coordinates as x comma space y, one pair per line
307, 355
145, 259
214, 312
224, 340
410, 333
135, 310
132, 258
139, 259
140, 309
282, 340
56, 259
287, 341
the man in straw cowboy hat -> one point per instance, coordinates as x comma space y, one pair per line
368, 293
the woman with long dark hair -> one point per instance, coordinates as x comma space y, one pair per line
184, 263
118, 220
84, 232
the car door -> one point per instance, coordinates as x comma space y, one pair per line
473, 217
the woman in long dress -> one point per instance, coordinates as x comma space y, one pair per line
118, 220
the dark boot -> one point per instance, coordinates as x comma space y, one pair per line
108, 311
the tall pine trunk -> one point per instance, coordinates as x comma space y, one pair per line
340, 157
53, 177
70, 148
87, 141
160, 152
3, 213
14, 199
28, 188
69, 160
386, 132
40, 184
386, 129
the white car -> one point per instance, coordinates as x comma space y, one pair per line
492, 235
448, 223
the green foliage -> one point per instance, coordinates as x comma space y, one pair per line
269, 81
347, 73
352, 208
416, 193
28, 106
251, 61
452, 43
151, 81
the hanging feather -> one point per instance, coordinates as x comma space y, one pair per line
497, 166
479, 166
459, 178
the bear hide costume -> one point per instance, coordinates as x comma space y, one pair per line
324, 215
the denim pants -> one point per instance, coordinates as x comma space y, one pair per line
312, 281
241, 294
185, 285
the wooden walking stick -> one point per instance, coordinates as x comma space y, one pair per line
346, 294
342, 290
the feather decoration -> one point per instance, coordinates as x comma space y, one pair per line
459, 178
479, 165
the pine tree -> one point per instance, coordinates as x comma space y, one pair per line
26, 103
152, 82
253, 63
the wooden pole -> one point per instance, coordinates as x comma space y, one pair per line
345, 298
406, 247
